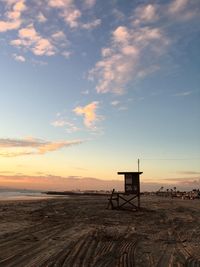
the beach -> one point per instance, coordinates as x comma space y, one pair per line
80, 231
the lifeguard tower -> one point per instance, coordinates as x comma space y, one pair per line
131, 195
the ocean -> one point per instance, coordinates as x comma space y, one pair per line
23, 195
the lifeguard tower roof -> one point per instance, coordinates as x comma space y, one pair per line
129, 172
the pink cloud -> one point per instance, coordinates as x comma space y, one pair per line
31, 146
13, 15
60, 3
31, 39
72, 15
52, 146
89, 114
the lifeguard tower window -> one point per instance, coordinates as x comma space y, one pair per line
131, 182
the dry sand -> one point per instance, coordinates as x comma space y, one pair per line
79, 231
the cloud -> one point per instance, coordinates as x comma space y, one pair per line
85, 92
72, 15
52, 146
118, 14
53, 182
183, 9
41, 18
13, 15
8, 154
59, 35
72, 18
61, 183
185, 182
29, 20
59, 123
70, 127
15, 147
146, 13
186, 93
115, 103
60, 3
89, 114
19, 58
177, 6
129, 49
31, 39
91, 25
138, 48
66, 54
122, 60
89, 3
9, 25
189, 172
69, 12
26, 142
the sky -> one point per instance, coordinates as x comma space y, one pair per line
88, 87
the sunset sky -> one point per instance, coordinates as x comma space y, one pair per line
87, 87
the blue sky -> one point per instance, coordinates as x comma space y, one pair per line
87, 87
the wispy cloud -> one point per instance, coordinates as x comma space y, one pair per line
121, 61
189, 172
183, 10
31, 146
69, 126
89, 114
186, 93
52, 146
177, 6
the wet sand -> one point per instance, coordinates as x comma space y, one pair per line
80, 231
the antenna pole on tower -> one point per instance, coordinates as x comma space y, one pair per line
138, 165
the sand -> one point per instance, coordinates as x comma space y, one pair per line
80, 231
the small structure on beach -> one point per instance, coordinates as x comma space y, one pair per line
131, 195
